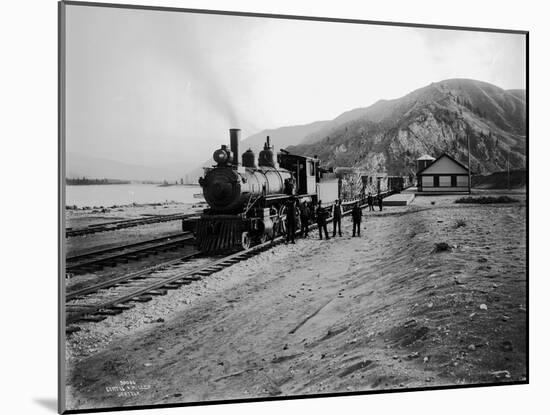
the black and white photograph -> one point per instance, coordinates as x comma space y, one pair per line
263, 207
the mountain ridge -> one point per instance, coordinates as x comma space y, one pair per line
386, 136
440, 117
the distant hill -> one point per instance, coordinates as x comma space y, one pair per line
390, 134
281, 137
79, 165
84, 181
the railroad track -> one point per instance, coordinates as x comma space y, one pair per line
113, 297
123, 224
123, 279
96, 260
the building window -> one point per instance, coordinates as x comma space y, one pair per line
444, 181
462, 181
436, 181
453, 181
427, 181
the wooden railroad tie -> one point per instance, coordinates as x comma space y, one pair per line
171, 286
109, 311
93, 318
72, 329
123, 307
157, 292
142, 298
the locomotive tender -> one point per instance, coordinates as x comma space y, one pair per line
247, 203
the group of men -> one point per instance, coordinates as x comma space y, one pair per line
370, 202
305, 212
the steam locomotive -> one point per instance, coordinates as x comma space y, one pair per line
247, 202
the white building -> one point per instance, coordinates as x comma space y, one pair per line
443, 174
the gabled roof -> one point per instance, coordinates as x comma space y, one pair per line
439, 158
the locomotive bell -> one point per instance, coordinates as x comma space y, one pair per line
249, 159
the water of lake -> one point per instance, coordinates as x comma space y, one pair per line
124, 194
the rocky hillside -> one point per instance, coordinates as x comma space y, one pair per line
517, 179
391, 134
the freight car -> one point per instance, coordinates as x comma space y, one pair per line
247, 203
399, 183
358, 182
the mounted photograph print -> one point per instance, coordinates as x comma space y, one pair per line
258, 207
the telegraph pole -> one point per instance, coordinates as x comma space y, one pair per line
508, 163
461, 118
469, 166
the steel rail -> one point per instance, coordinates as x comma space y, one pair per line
95, 258
126, 277
123, 224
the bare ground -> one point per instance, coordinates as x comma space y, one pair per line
383, 311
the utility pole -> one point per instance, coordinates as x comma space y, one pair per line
469, 166
508, 163
461, 118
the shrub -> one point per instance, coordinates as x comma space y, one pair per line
460, 223
441, 247
484, 200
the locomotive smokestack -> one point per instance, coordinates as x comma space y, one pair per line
235, 136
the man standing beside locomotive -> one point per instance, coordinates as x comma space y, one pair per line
289, 186
337, 217
304, 219
290, 220
356, 215
321, 221
370, 202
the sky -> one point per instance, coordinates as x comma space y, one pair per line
159, 88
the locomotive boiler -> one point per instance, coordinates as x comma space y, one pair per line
247, 201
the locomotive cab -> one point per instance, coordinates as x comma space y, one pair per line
304, 169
